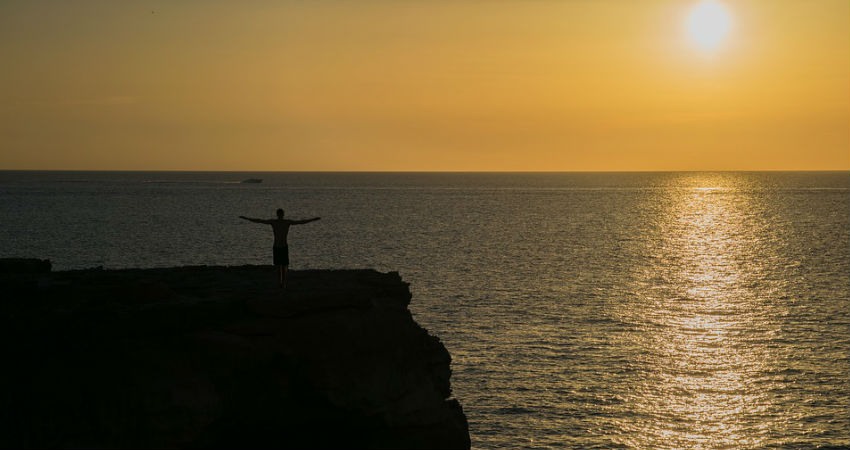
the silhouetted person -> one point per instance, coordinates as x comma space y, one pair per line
280, 251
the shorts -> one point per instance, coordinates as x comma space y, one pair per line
281, 255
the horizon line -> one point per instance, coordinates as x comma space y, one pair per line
426, 171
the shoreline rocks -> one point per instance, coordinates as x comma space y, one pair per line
24, 265
209, 357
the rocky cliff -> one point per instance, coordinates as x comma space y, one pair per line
208, 357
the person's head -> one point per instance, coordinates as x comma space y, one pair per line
280, 213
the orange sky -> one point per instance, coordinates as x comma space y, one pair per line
525, 85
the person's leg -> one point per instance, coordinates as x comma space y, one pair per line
284, 267
276, 261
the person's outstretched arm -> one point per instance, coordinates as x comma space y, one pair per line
255, 220
299, 222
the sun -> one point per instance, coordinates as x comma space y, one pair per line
708, 24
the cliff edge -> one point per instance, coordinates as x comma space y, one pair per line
210, 357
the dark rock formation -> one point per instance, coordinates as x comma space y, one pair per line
24, 265
208, 357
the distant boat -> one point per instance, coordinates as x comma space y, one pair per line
252, 180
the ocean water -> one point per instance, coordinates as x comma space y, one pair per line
603, 310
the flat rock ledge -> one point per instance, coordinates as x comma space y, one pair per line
219, 357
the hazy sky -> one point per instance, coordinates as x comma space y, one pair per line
422, 85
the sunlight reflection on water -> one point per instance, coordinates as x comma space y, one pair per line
706, 338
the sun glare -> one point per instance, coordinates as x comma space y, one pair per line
708, 24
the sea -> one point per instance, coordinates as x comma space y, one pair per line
675, 310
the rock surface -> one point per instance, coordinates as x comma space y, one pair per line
24, 265
210, 357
